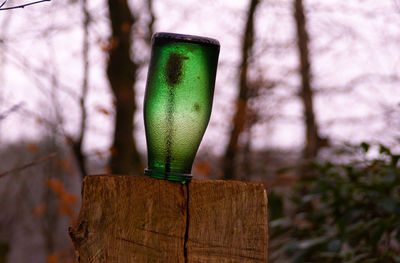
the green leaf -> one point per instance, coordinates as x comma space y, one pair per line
359, 258
396, 259
395, 160
388, 205
308, 243
377, 235
349, 208
398, 234
365, 146
281, 222
384, 149
334, 245
275, 205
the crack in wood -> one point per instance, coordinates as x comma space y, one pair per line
150, 220
185, 252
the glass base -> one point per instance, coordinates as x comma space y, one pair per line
178, 177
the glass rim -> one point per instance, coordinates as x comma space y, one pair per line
174, 37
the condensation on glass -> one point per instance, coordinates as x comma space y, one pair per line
178, 102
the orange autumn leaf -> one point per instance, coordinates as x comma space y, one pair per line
68, 198
108, 169
99, 154
103, 110
32, 148
66, 210
39, 120
52, 258
203, 169
39, 210
110, 45
112, 150
126, 27
55, 185
65, 165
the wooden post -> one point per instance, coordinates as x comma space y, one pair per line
141, 219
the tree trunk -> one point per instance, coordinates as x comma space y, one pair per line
141, 219
121, 72
77, 144
306, 92
152, 20
239, 119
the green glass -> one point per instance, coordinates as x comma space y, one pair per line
178, 102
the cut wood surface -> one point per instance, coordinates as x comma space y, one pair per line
141, 219
227, 222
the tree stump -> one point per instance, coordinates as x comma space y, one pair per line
141, 219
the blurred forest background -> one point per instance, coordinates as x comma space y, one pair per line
299, 81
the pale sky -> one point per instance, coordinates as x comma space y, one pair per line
353, 42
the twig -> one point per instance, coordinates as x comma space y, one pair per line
21, 6
150, 25
36, 162
3, 3
11, 110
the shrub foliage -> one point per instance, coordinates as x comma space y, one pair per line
343, 213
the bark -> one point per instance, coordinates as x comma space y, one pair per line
239, 119
121, 72
306, 93
142, 219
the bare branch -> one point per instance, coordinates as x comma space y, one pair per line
3, 3
10, 110
367, 78
36, 162
55, 127
37, 72
150, 25
21, 6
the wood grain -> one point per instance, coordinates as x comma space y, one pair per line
227, 222
141, 219
130, 219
